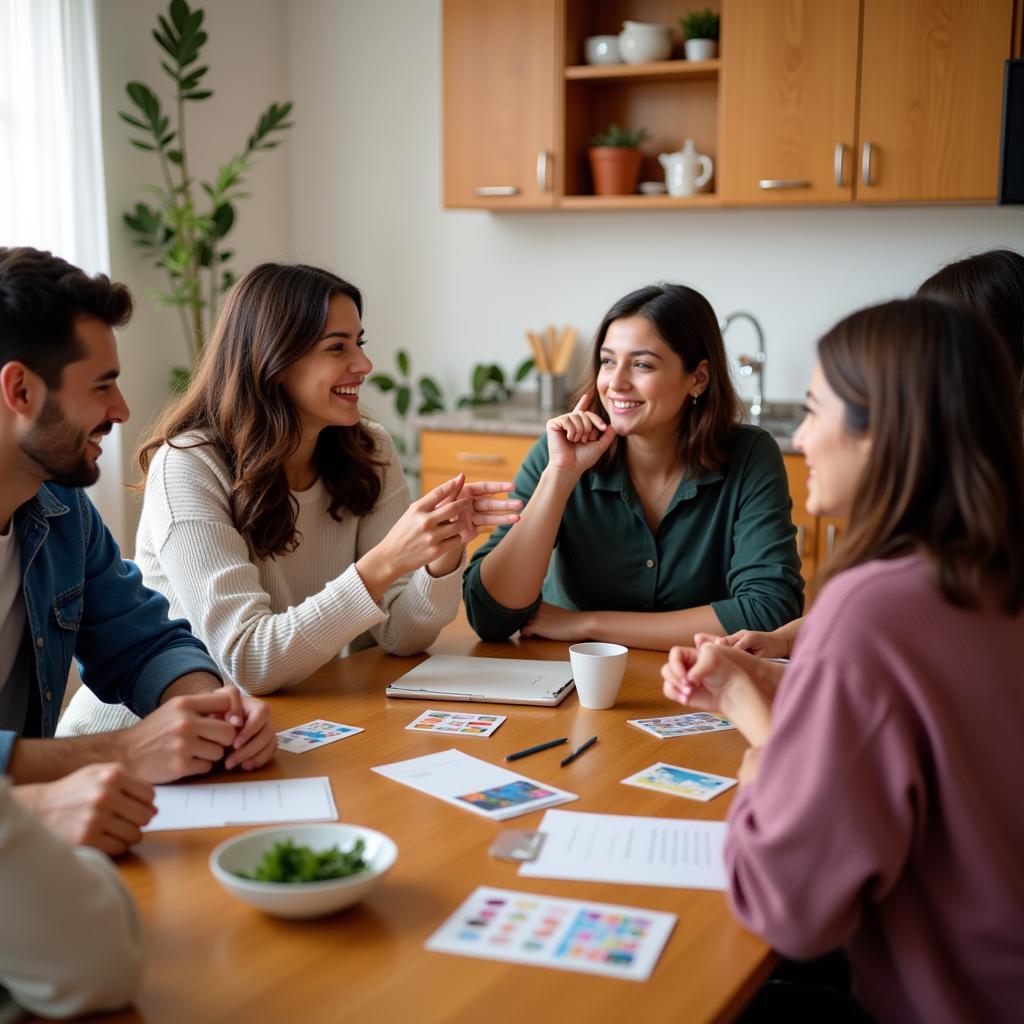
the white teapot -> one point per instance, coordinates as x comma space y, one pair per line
687, 170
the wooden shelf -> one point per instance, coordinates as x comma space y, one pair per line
662, 70
704, 200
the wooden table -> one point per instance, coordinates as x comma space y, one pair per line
212, 958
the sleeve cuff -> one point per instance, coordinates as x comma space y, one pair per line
163, 670
492, 621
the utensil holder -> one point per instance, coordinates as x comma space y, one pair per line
552, 392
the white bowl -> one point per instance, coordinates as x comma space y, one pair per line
601, 50
301, 899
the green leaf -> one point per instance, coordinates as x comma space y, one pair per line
497, 374
430, 390
134, 122
173, 72
223, 219
523, 370
199, 94
175, 156
402, 400
167, 40
180, 377
427, 407
142, 145
145, 99
382, 381
481, 374
179, 14
402, 361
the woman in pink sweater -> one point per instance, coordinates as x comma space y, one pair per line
880, 806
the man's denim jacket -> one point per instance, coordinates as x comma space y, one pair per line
83, 600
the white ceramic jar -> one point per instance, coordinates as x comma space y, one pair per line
640, 42
601, 50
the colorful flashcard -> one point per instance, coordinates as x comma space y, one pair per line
317, 733
669, 778
456, 723
682, 725
596, 938
474, 785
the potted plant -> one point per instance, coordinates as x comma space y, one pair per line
700, 32
615, 159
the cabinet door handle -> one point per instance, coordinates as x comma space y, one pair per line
768, 184
479, 458
830, 540
543, 163
497, 190
840, 159
801, 537
865, 163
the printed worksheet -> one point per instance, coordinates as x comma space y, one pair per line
544, 931
474, 785
634, 850
218, 804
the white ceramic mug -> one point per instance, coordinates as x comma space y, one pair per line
597, 670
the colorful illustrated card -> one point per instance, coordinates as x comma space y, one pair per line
474, 785
682, 725
317, 733
669, 778
596, 938
456, 723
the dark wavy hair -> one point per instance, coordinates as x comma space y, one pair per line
992, 284
40, 297
272, 317
686, 323
930, 383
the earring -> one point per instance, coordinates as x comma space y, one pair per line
694, 396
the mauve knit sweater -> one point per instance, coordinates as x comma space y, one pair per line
887, 815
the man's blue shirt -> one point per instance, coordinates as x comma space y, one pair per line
84, 601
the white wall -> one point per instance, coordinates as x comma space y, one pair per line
459, 286
247, 54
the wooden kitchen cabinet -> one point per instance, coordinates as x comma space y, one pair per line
789, 100
930, 99
810, 102
915, 118
806, 524
501, 102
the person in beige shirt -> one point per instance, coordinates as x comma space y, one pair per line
276, 518
70, 939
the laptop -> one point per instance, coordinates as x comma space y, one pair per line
487, 680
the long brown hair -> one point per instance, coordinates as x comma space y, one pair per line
686, 323
931, 386
992, 284
271, 318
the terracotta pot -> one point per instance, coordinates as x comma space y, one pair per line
615, 169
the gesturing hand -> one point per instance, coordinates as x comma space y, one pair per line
483, 511
763, 645
256, 741
577, 439
100, 805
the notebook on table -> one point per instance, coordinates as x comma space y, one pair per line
486, 680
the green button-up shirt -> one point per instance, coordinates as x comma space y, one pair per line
727, 539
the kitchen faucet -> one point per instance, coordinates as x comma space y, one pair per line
751, 366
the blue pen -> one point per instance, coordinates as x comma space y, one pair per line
586, 745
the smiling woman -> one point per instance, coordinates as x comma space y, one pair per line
276, 518
661, 515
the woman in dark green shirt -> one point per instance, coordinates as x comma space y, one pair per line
660, 513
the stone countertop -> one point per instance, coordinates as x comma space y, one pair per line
522, 417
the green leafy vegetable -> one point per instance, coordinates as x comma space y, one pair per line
286, 862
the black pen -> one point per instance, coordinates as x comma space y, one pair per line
533, 750
579, 750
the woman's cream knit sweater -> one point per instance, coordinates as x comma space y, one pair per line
271, 622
